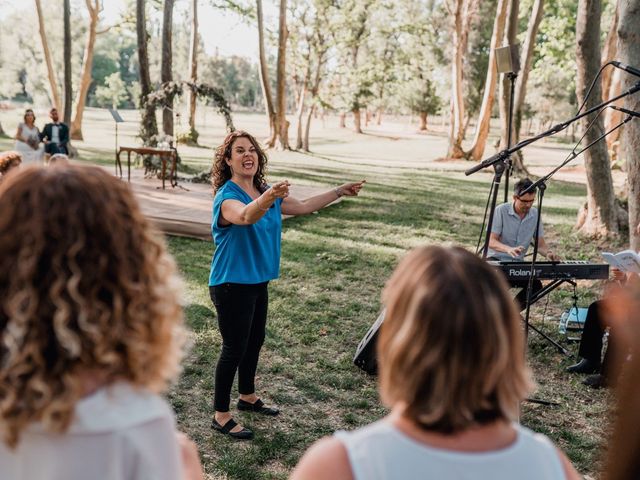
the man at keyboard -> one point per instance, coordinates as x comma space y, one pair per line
512, 232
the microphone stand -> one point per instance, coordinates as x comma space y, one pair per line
504, 155
541, 185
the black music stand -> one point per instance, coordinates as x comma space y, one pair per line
117, 119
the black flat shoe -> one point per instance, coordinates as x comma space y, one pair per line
595, 381
584, 366
244, 434
257, 407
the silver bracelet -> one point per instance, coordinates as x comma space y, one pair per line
338, 191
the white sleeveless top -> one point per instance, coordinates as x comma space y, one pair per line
117, 433
382, 452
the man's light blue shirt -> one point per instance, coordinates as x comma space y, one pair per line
513, 230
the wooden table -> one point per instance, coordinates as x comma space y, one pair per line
162, 153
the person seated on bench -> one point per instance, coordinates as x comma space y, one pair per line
453, 373
591, 341
512, 232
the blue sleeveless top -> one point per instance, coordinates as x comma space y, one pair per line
246, 254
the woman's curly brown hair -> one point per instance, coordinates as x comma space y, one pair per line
86, 287
221, 172
8, 161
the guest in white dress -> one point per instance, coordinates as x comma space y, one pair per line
28, 139
91, 329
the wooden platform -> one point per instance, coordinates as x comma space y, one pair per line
185, 210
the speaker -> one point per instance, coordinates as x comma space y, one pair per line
365, 357
508, 59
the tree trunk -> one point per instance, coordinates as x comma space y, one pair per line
526, 60
342, 120
629, 53
464, 12
300, 112
93, 7
67, 62
53, 84
264, 79
510, 38
609, 53
148, 125
423, 122
457, 99
166, 74
601, 217
282, 125
379, 117
613, 117
307, 128
315, 86
484, 118
357, 123
193, 59
2, 132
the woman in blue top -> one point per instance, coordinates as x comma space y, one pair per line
246, 229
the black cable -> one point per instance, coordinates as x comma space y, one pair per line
586, 97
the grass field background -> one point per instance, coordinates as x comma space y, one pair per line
334, 266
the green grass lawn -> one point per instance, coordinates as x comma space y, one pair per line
334, 266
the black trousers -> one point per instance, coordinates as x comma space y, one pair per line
521, 296
592, 334
242, 317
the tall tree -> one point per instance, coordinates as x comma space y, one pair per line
264, 77
53, 84
67, 62
463, 12
282, 125
510, 38
600, 218
94, 7
611, 82
193, 60
629, 53
148, 125
320, 48
166, 74
482, 129
526, 60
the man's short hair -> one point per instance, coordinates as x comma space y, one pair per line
522, 185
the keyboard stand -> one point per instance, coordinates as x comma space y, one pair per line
546, 290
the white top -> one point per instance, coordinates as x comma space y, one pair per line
55, 133
382, 452
118, 433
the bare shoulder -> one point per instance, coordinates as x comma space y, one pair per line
326, 460
570, 471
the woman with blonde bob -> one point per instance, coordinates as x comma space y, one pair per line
90, 332
452, 370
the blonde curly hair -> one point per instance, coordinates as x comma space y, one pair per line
86, 286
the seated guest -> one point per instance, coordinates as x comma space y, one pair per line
512, 231
55, 136
452, 371
591, 341
28, 139
91, 332
9, 161
59, 159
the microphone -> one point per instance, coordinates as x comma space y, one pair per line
626, 68
624, 110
